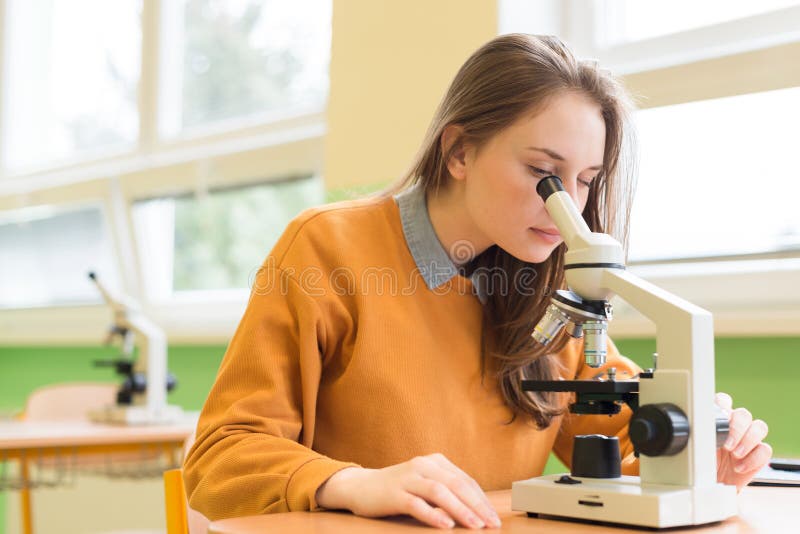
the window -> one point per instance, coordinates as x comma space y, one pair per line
234, 59
216, 240
718, 177
72, 75
130, 99
635, 20
47, 253
89, 82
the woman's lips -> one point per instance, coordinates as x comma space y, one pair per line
551, 235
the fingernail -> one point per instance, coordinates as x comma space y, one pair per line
739, 452
476, 522
447, 522
740, 468
729, 443
494, 521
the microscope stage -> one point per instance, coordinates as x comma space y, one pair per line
623, 500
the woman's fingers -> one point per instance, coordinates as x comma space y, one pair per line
459, 484
437, 494
488, 513
755, 460
754, 435
724, 401
419, 509
739, 423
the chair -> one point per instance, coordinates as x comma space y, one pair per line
181, 519
175, 502
68, 401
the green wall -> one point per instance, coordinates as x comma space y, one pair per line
760, 373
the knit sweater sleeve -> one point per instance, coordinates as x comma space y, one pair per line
614, 425
253, 450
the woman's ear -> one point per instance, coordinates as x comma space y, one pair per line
452, 141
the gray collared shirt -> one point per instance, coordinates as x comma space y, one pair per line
432, 260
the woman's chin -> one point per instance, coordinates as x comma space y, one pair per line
536, 254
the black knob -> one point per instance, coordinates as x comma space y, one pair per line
172, 382
659, 429
596, 456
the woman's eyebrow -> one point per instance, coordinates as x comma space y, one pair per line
555, 155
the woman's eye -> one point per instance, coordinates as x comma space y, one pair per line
541, 172
586, 182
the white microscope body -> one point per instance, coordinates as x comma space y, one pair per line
672, 490
148, 407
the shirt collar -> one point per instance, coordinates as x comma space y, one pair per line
432, 260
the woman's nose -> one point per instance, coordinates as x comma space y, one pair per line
571, 186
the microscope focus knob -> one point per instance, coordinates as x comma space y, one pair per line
659, 429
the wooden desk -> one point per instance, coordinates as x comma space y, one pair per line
29, 441
761, 509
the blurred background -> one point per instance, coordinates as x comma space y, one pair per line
165, 144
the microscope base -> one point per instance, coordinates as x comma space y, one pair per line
623, 500
137, 415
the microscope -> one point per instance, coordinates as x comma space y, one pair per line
675, 428
142, 398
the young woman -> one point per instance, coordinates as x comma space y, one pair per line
377, 368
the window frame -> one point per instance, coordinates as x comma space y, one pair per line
729, 38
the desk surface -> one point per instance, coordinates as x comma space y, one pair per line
761, 509
15, 435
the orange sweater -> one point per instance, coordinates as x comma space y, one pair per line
344, 356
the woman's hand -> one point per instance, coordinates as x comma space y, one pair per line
429, 488
744, 453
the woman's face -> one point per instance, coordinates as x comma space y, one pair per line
565, 138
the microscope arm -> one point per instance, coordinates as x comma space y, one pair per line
685, 376
152, 359
669, 312
120, 304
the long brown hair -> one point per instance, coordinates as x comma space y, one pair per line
507, 77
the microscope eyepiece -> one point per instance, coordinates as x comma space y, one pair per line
549, 185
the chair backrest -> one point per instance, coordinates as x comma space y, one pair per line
181, 519
68, 401
175, 502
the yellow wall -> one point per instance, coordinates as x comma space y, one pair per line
390, 64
